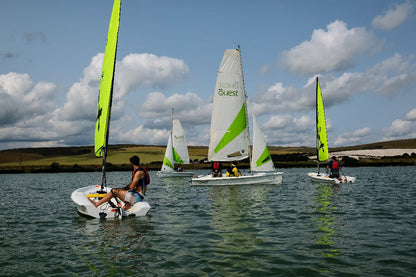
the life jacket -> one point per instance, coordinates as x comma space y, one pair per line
216, 166
146, 175
335, 165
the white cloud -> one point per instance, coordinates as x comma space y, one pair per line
400, 129
289, 130
393, 17
333, 49
39, 120
390, 77
353, 138
142, 135
411, 116
393, 74
188, 107
283, 99
137, 70
21, 99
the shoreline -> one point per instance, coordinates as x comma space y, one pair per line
74, 159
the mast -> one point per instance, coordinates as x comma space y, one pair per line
245, 94
171, 139
321, 135
316, 124
105, 96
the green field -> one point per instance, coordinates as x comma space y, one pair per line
83, 159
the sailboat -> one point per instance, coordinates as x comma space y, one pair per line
80, 196
176, 153
322, 153
229, 133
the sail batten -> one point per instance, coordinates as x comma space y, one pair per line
321, 137
106, 83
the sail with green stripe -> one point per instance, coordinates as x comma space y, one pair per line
261, 158
321, 138
106, 84
177, 148
229, 134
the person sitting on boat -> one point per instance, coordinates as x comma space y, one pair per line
335, 166
216, 169
232, 170
180, 169
133, 192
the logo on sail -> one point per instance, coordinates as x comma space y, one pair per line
222, 92
228, 89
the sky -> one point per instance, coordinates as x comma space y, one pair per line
51, 53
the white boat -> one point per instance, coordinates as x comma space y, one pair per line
324, 178
322, 153
229, 134
111, 209
176, 153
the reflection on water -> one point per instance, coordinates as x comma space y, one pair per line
326, 220
296, 229
234, 215
112, 247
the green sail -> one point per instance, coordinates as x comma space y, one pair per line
321, 139
106, 84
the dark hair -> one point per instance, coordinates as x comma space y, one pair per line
135, 160
334, 158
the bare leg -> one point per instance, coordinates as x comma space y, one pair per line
119, 193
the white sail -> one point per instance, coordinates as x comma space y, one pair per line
180, 147
261, 159
177, 148
168, 164
229, 135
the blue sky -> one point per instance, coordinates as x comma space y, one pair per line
168, 55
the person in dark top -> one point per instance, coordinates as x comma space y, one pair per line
216, 169
334, 167
133, 192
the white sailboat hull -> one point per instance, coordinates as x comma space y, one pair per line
105, 211
272, 178
324, 178
174, 174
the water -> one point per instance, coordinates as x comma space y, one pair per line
295, 229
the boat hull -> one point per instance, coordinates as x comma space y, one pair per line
174, 174
105, 211
273, 178
324, 178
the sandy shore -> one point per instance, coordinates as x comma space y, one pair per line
373, 153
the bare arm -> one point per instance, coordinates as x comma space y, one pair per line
135, 182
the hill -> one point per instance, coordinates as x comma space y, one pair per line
53, 159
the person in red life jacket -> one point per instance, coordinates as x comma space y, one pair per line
335, 166
216, 169
133, 192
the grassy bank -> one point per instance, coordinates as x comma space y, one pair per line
79, 159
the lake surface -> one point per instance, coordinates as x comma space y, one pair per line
295, 229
